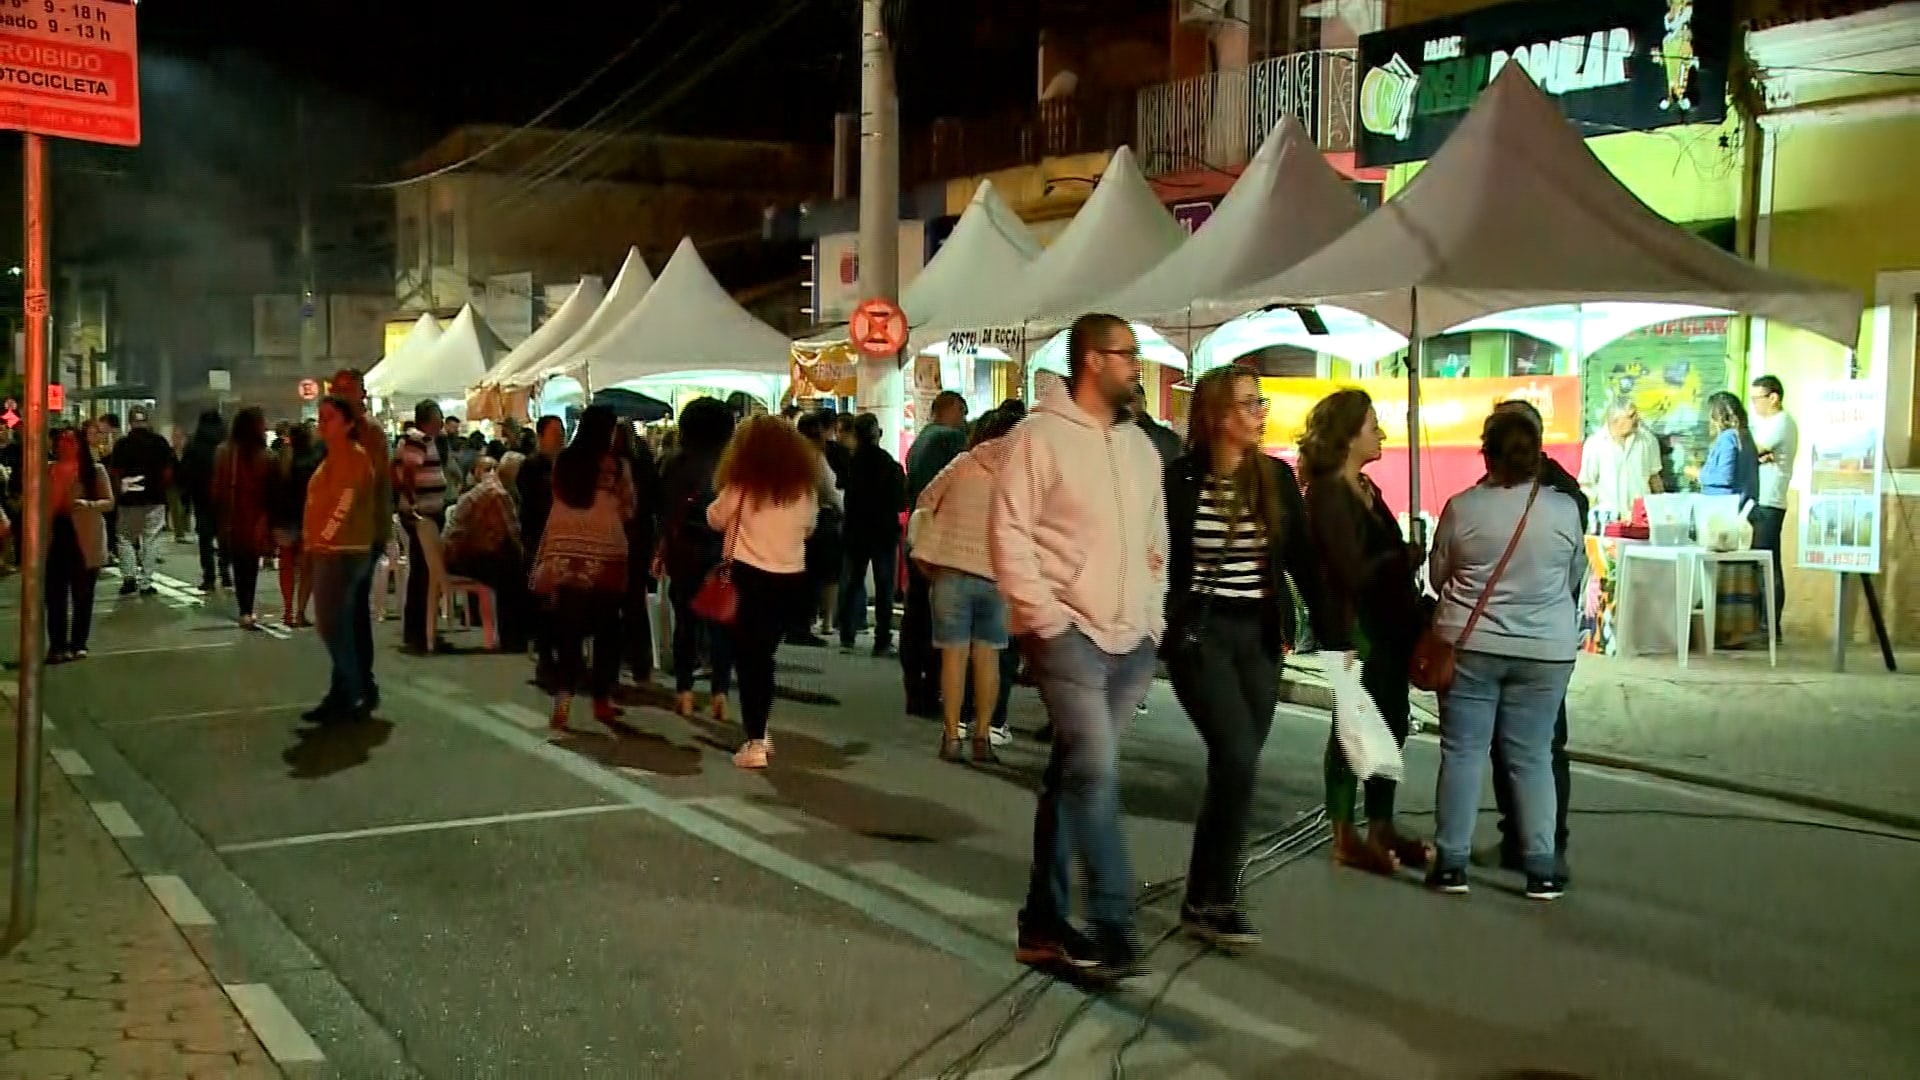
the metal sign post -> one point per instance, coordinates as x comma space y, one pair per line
73, 73
33, 551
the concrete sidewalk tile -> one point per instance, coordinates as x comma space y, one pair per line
106, 986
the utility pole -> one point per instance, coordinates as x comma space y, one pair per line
880, 383
309, 345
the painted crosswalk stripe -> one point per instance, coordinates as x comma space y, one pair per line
178, 900
410, 828
286, 1041
115, 819
70, 762
945, 899
746, 815
438, 686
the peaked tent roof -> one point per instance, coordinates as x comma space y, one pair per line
554, 333
1122, 232
1515, 212
685, 323
630, 286
455, 362
989, 245
1287, 204
426, 331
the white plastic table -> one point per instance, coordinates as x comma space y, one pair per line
1695, 575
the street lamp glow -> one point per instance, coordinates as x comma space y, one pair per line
14, 270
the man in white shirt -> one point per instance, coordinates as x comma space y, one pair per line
1621, 462
1078, 538
1778, 439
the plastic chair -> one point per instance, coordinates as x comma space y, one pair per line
458, 587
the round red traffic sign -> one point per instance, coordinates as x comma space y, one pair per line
309, 389
878, 328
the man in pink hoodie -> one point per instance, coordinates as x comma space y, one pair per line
1078, 532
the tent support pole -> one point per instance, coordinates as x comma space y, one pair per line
1416, 362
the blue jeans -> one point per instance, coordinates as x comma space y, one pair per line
1090, 695
339, 591
1515, 701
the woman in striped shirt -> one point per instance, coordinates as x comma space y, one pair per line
1238, 530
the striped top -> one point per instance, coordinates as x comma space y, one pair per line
421, 456
1227, 567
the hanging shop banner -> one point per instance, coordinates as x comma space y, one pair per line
832, 371
1451, 410
1612, 65
1840, 514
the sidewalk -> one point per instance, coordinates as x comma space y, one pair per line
106, 986
1797, 732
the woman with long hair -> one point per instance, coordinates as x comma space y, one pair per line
80, 495
969, 615
1238, 531
242, 475
294, 463
1732, 466
581, 570
690, 549
1372, 612
765, 508
196, 479
483, 543
340, 527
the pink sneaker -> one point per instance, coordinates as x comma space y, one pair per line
751, 755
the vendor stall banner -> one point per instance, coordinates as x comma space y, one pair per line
1840, 514
832, 371
1611, 65
1451, 410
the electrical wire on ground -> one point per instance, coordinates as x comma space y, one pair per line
1030, 986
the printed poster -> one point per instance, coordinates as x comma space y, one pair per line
1840, 512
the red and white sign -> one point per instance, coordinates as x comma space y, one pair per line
70, 70
56, 397
10, 415
878, 328
309, 389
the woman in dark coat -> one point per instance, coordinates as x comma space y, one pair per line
243, 474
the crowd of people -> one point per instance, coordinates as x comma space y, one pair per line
1079, 546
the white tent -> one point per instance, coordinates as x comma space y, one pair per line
686, 323
1515, 212
554, 333
1122, 232
455, 362
426, 331
989, 246
1287, 204
629, 287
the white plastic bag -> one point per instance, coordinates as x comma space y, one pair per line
1363, 734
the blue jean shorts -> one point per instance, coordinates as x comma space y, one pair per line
966, 610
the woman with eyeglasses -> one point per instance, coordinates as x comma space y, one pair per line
1238, 528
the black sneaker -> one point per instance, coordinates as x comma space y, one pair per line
1222, 925
149, 590
327, 712
1058, 947
1451, 882
129, 587
1119, 959
1545, 888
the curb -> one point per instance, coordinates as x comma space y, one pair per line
1320, 697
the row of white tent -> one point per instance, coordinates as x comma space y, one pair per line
1513, 212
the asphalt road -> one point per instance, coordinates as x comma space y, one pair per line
449, 893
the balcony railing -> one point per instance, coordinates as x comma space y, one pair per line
1220, 119
1214, 120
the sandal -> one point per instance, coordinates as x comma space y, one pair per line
1350, 851
950, 749
983, 752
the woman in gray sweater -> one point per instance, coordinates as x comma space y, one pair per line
1505, 559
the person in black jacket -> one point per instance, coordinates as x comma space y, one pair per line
142, 468
535, 488
876, 496
690, 549
196, 480
643, 536
1238, 532
1555, 476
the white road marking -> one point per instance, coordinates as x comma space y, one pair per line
70, 762
635, 772
745, 814
181, 905
193, 647
286, 1041
438, 686
115, 819
409, 828
209, 714
531, 719
944, 899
